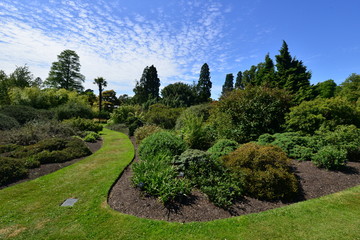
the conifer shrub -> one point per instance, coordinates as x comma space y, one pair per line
91, 136
7, 122
82, 124
266, 171
222, 147
145, 131
11, 170
161, 143
73, 109
22, 114
330, 157
163, 116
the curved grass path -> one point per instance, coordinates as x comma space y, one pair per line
31, 210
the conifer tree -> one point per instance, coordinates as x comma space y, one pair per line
239, 82
265, 74
204, 84
148, 86
228, 84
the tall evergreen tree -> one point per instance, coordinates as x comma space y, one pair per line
148, 86
239, 81
249, 76
228, 84
265, 74
204, 84
65, 73
291, 73
101, 82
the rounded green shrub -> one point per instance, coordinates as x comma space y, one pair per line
161, 143
82, 124
222, 147
163, 116
266, 171
91, 137
330, 157
21, 114
7, 122
145, 131
73, 109
11, 170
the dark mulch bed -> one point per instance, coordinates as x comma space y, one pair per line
314, 183
52, 167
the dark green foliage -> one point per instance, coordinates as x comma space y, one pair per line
330, 157
244, 115
178, 95
11, 170
22, 114
91, 137
73, 109
249, 77
350, 88
209, 176
239, 82
7, 122
65, 73
148, 87
101, 83
222, 147
121, 114
325, 89
8, 148
145, 131
228, 85
322, 113
161, 143
204, 84
163, 116
110, 100
266, 170
201, 110
82, 124
157, 177
134, 122
265, 74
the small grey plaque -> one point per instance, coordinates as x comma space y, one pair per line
69, 202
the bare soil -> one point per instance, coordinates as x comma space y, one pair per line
314, 182
52, 167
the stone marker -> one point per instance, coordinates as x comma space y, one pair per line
69, 202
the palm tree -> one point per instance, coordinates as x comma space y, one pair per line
101, 82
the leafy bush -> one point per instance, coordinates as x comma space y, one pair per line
156, 177
122, 113
22, 114
7, 122
161, 143
244, 115
145, 131
310, 116
201, 111
134, 122
73, 109
266, 170
81, 125
11, 169
91, 137
330, 157
222, 147
163, 116
8, 148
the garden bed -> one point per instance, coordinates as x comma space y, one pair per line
314, 182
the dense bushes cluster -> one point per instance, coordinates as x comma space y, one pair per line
145, 131
11, 169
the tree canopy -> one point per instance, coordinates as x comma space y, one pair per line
148, 86
228, 84
204, 84
101, 83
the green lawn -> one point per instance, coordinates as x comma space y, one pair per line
31, 210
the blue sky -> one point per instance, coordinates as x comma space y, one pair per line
117, 39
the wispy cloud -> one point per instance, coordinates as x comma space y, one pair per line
112, 41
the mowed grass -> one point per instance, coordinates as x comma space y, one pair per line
31, 210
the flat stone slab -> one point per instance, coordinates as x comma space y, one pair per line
69, 202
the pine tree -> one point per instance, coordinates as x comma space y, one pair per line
228, 84
148, 86
265, 74
65, 73
204, 84
249, 76
239, 81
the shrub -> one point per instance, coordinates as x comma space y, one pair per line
201, 111
310, 116
209, 176
244, 115
163, 116
156, 177
266, 170
91, 137
11, 170
222, 147
134, 122
21, 114
122, 113
73, 109
8, 148
7, 122
145, 131
161, 142
330, 157
81, 125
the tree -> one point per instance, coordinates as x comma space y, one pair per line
21, 77
291, 73
325, 89
228, 84
204, 84
239, 84
350, 88
179, 95
249, 76
148, 86
265, 74
110, 100
65, 73
101, 82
